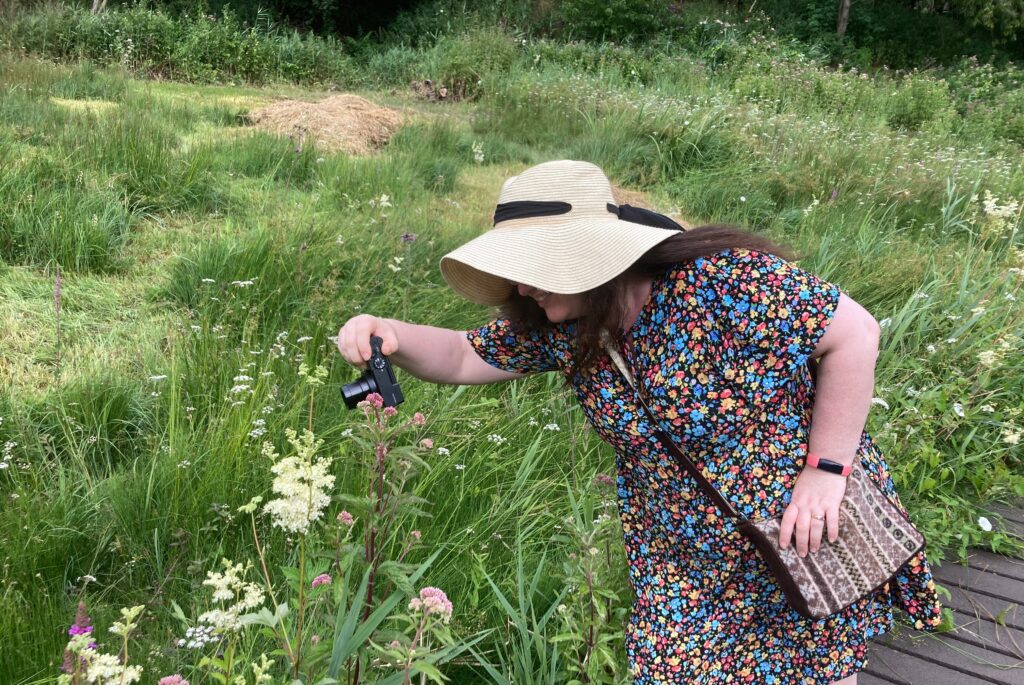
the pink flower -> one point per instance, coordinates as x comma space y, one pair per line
603, 479
375, 399
346, 518
427, 443
173, 680
415, 535
395, 644
322, 579
419, 419
390, 411
435, 601
315, 640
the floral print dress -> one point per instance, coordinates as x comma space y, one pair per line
719, 352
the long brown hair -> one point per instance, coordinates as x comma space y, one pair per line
606, 305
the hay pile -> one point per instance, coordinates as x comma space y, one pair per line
342, 123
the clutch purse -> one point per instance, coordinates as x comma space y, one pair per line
876, 539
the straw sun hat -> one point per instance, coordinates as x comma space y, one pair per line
556, 228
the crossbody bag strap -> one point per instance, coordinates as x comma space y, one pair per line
698, 475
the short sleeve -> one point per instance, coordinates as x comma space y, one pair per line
507, 348
775, 312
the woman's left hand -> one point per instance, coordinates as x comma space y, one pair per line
814, 505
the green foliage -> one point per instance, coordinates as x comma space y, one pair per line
919, 102
614, 20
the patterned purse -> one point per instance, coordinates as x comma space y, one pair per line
876, 538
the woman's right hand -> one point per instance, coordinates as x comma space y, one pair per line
354, 338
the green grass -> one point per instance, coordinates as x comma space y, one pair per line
195, 252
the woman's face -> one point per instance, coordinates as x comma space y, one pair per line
558, 307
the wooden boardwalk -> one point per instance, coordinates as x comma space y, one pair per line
988, 643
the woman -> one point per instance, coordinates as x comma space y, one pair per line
716, 329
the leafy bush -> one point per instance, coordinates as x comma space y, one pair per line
919, 101
614, 20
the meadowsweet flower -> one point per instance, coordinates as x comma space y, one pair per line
231, 586
127, 623
322, 579
1011, 436
315, 377
303, 482
988, 358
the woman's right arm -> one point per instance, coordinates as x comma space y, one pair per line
436, 355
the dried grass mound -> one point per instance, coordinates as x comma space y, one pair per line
342, 123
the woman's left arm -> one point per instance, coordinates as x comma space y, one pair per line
845, 381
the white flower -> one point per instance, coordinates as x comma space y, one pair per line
157, 378
231, 587
988, 358
496, 439
1010, 436
885, 323
551, 427
209, 280
931, 349
958, 409
460, 467
984, 524
743, 198
443, 451
880, 402
303, 483
987, 408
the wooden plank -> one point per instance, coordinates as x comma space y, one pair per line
907, 669
983, 606
984, 560
869, 678
960, 656
979, 580
988, 634
1007, 512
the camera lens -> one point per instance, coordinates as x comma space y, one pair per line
355, 392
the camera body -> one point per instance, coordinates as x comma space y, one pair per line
378, 377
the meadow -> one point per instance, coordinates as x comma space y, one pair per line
171, 280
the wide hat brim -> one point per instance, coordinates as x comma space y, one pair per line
562, 257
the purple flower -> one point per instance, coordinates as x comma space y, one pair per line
435, 601
172, 680
346, 518
603, 479
322, 579
408, 237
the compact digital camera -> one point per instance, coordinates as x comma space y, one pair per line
378, 377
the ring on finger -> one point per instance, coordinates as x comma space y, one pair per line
817, 518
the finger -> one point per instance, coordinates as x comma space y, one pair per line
817, 526
803, 532
833, 523
786, 527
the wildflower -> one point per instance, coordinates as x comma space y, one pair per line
375, 399
418, 419
1010, 436
880, 402
322, 579
394, 644
314, 378
884, 323
443, 451
743, 198
460, 467
208, 280
390, 411
416, 534
478, 152
303, 483
551, 427
408, 237
496, 439
931, 349
231, 586
987, 408
172, 680
305, 338
427, 443
346, 518
984, 524
958, 409
127, 623
157, 378
988, 358
432, 601
251, 506
603, 479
